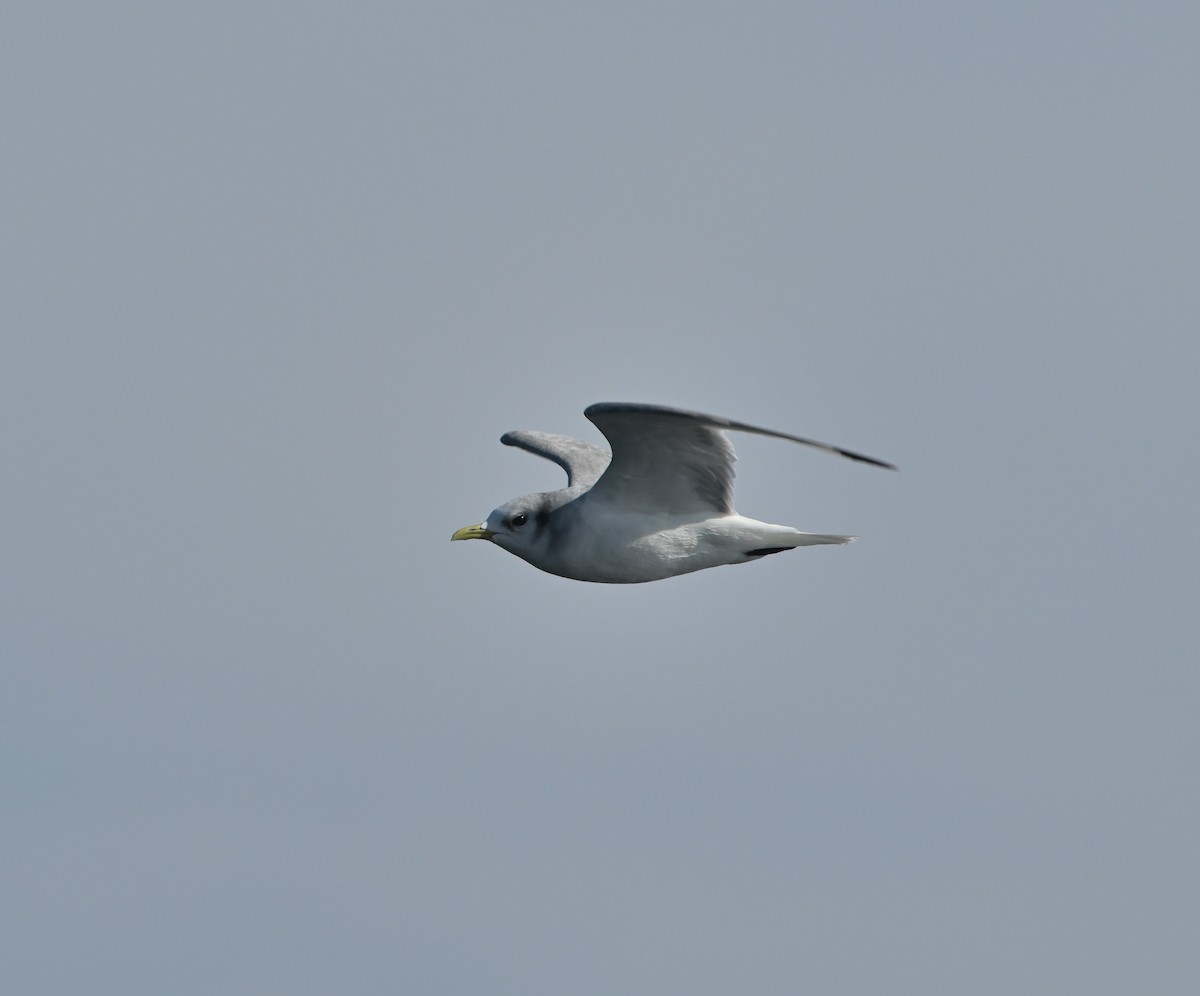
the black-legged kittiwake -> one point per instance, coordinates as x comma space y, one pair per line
660, 504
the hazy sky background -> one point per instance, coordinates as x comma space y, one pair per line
276, 277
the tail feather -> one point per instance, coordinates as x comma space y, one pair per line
799, 539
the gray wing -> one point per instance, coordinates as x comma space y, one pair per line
670, 460
583, 462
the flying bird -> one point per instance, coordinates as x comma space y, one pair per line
660, 504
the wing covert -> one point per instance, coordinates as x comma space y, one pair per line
664, 460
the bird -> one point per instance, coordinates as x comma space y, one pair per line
659, 505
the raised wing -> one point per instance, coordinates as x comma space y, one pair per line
675, 461
583, 462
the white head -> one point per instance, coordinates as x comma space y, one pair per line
524, 526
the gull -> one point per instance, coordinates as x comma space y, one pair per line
659, 505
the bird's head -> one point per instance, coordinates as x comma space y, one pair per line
522, 526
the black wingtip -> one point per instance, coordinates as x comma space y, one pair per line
866, 459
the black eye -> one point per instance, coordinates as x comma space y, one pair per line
518, 520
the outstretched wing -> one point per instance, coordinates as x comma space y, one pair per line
666, 460
583, 462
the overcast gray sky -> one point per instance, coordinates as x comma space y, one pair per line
276, 277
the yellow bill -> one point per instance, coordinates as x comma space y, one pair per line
473, 532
